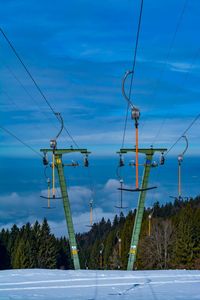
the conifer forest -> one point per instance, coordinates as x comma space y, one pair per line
173, 243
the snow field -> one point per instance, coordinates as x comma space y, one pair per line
90, 285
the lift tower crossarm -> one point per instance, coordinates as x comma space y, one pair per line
65, 151
66, 204
149, 152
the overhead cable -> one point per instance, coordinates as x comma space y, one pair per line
35, 83
133, 69
19, 140
184, 133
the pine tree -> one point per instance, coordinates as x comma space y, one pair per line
13, 237
4, 257
22, 256
196, 237
184, 240
47, 252
64, 260
108, 248
94, 256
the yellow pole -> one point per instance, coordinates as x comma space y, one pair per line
53, 176
150, 225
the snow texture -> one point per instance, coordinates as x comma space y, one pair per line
92, 285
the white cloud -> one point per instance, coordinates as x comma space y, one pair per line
179, 66
19, 209
81, 222
111, 184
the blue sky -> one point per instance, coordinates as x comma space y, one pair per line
78, 52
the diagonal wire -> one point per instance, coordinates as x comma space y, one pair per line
133, 69
184, 133
136, 47
183, 84
35, 83
19, 140
27, 92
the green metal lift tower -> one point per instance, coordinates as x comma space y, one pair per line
141, 199
58, 164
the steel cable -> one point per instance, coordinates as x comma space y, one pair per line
19, 140
133, 69
35, 83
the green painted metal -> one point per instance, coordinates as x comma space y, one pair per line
149, 152
67, 210
142, 150
66, 204
64, 151
139, 214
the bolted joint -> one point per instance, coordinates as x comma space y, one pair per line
162, 159
154, 164
45, 160
180, 158
121, 161
86, 161
58, 161
135, 114
132, 163
53, 144
75, 164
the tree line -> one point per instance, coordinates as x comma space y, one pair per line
171, 241
33, 247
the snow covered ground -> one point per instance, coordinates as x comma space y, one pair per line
89, 285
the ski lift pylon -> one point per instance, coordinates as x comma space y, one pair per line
91, 213
48, 195
180, 160
135, 115
121, 195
